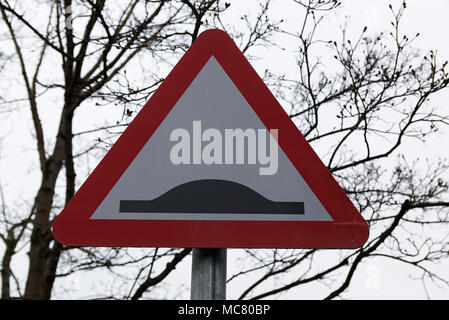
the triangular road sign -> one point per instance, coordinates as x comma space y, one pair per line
212, 160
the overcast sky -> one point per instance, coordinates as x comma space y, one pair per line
375, 279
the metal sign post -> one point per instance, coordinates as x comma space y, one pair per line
208, 274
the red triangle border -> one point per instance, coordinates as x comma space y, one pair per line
74, 228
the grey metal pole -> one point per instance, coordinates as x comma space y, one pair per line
208, 274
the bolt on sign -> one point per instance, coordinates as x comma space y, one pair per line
211, 160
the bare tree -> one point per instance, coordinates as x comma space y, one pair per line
90, 58
380, 92
379, 97
94, 42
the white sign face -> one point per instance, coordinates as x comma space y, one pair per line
212, 158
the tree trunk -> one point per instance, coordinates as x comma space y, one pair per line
41, 236
6, 272
55, 252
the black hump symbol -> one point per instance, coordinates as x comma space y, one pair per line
211, 196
